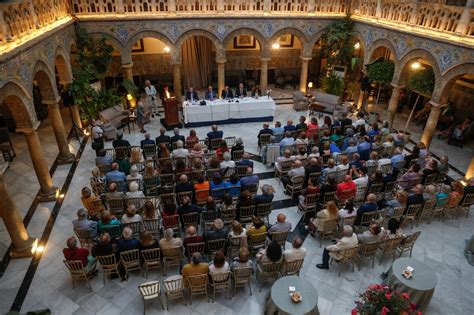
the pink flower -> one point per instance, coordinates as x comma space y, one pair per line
354, 311
388, 295
406, 296
384, 311
374, 287
418, 313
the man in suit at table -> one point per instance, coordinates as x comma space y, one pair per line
227, 93
210, 94
192, 95
241, 91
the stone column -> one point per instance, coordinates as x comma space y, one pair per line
393, 104
47, 190
65, 156
177, 80
264, 74
360, 99
430, 127
304, 73
21, 241
220, 76
76, 117
127, 71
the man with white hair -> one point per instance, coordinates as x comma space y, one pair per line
151, 96
184, 184
177, 137
215, 134
127, 242
227, 163
169, 240
245, 160
82, 223
265, 131
249, 179
192, 237
180, 152
369, 206
218, 231
146, 141
297, 252
296, 170
133, 191
348, 240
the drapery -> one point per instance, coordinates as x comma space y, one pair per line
196, 62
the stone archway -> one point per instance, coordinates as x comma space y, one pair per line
63, 67
401, 66
385, 43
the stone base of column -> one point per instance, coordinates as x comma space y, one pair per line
48, 195
24, 251
68, 159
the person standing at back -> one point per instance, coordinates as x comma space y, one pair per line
151, 96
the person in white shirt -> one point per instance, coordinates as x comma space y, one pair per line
286, 157
348, 210
97, 130
151, 96
384, 160
295, 253
130, 215
348, 240
219, 264
179, 151
134, 192
227, 163
360, 120
363, 179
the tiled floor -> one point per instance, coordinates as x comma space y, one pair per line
440, 245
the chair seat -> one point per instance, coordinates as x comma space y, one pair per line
151, 296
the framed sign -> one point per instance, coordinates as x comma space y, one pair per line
245, 42
286, 40
138, 46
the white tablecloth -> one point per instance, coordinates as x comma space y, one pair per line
222, 111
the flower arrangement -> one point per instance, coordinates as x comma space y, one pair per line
384, 300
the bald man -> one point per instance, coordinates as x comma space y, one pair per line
184, 184
115, 175
296, 170
192, 237
297, 252
369, 206
215, 134
281, 225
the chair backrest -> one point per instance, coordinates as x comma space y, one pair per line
330, 226
151, 225
228, 215
279, 237
95, 208
370, 249
110, 152
220, 278
468, 200
391, 244
75, 267
346, 194
114, 230
197, 282
190, 218
243, 273
411, 239
151, 288
166, 179
237, 155
310, 200
257, 239
235, 241
387, 168
136, 201
371, 168
104, 168
329, 196
368, 217
285, 166
390, 186
348, 220
171, 222
230, 141
164, 198
293, 267
116, 205
429, 204
98, 188
360, 194
216, 245
172, 252
431, 179
83, 235
195, 175
135, 226
153, 254
149, 150
270, 268
398, 212
413, 210
340, 174
375, 188
180, 196
263, 209
241, 170
297, 181
349, 253
218, 193
215, 143
124, 151
265, 139
173, 285
130, 256
195, 247
246, 213
108, 261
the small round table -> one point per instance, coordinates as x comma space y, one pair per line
420, 286
280, 300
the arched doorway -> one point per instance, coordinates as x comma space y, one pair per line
284, 69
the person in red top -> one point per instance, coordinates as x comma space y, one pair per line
221, 150
192, 238
346, 189
72, 252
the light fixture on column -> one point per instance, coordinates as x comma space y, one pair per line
167, 49
357, 45
37, 249
416, 65
310, 86
129, 97
276, 45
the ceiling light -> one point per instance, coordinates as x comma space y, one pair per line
167, 49
276, 45
357, 45
416, 65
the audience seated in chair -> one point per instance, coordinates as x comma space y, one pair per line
195, 267
72, 252
127, 242
219, 231
242, 260
329, 213
281, 225
371, 236
218, 264
169, 240
297, 251
130, 215
348, 240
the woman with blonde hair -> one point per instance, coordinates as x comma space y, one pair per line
197, 165
196, 152
238, 231
136, 155
149, 211
400, 200
330, 213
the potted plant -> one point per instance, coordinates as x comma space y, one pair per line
382, 73
384, 300
422, 82
333, 84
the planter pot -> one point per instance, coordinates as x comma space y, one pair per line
85, 123
406, 137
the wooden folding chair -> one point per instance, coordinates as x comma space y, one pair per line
241, 278
292, 268
246, 214
109, 264
195, 248
407, 243
220, 282
150, 291
197, 285
348, 255
263, 210
215, 246
257, 241
389, 246
76, 269
268, 272
171, 257
131, 261
279, 237
174, 289
151, 260
367, 251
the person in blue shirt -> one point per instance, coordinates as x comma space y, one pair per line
245, 161
210, 94
115, 175
102, 158
369, 206
127, 242
147, 140
234, 185
355, 161
397, 157
215, 134
288, 140
364, 149
333, 148
249, 179
375, 130
289, 126
217, 182
278, 131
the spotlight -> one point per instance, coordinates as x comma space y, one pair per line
276, 45
416, 65
357, 45
167, 49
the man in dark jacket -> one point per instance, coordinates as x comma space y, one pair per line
218, 231
162, 138
119, 142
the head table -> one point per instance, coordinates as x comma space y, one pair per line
238, 110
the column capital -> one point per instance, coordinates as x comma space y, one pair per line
175, 63
305, 58
265, 59
127, 65
435, 104
221, 61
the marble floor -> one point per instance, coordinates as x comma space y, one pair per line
440, 245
